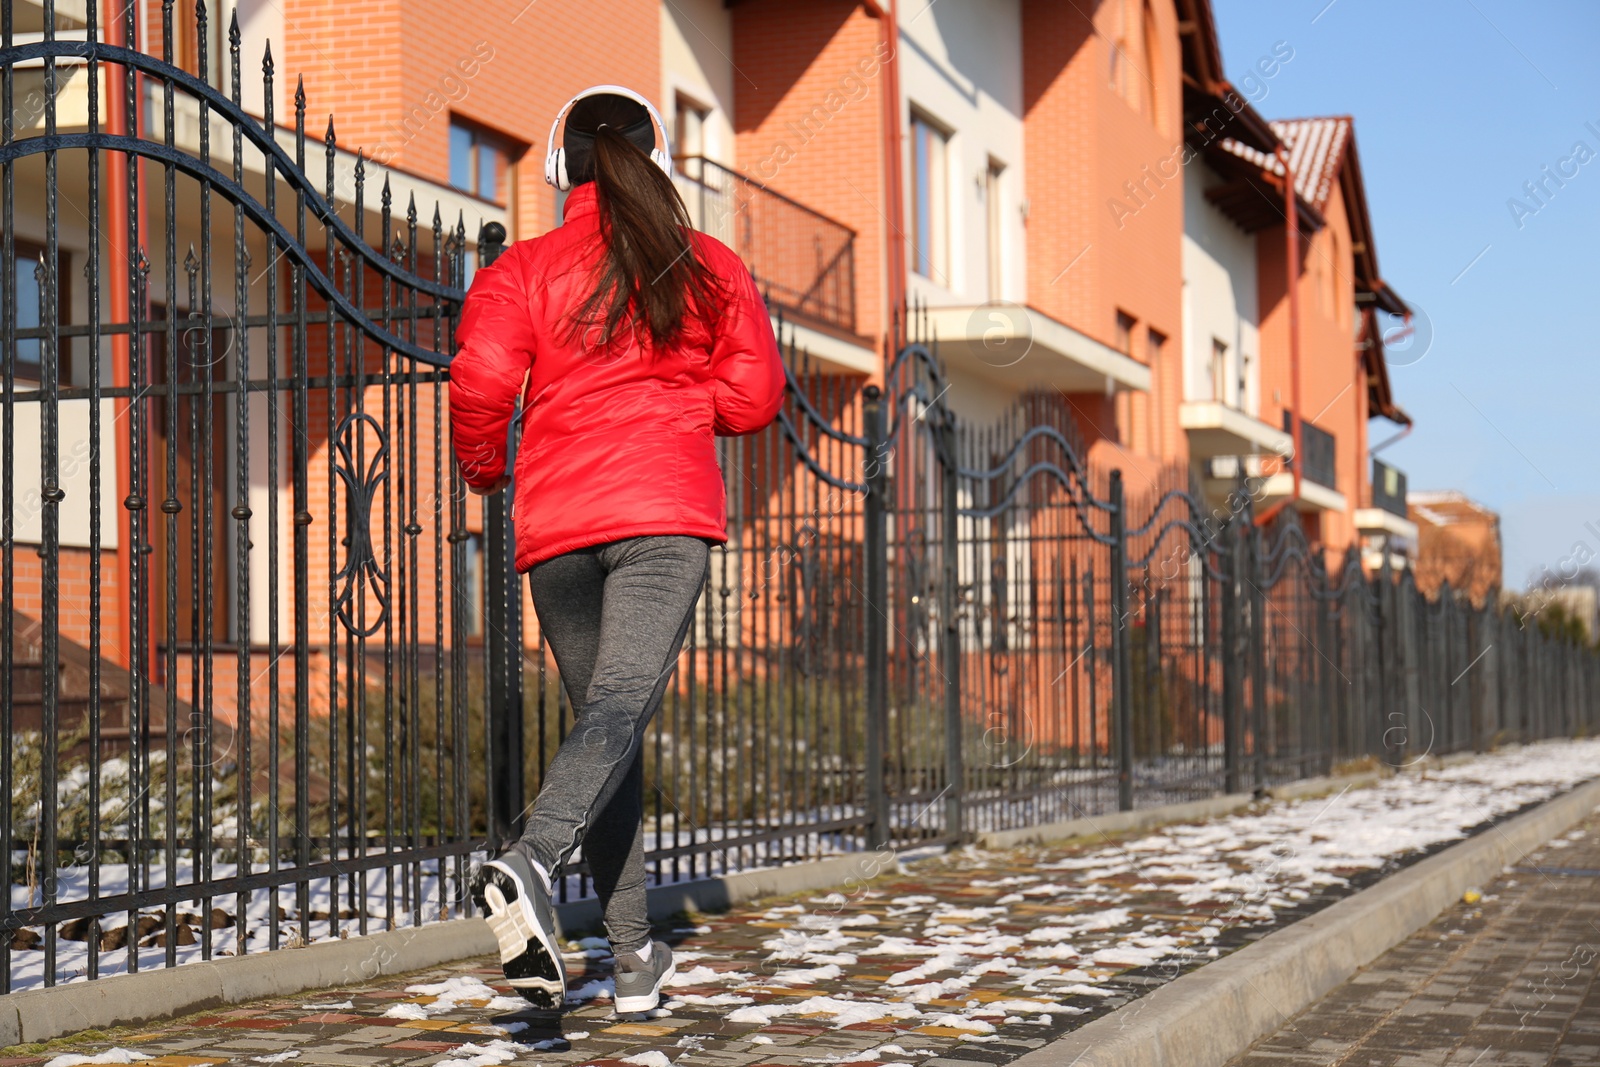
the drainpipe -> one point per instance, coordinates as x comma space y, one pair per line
119, 273
1404, 432
893, 185
1292, 231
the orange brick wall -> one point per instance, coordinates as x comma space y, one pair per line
394, 72
1085, 143
811, 126
1333, 385
73, 585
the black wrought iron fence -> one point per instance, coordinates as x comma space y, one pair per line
235, 705
265, 673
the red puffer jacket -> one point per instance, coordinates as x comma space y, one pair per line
618, 443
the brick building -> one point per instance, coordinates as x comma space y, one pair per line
1083, 203
1458, 544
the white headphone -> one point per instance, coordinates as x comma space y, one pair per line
555, 160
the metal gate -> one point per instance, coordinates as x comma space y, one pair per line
234, 588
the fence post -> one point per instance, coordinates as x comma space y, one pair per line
1407, 622
949, 608
1258, 645
503, 635
1121, 651
1231, 665
875, 520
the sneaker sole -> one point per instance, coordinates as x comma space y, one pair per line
528, 955
628, 1005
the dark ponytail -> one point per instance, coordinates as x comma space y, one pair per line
651, 273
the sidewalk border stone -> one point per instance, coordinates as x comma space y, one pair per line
1207, 1017
123, 999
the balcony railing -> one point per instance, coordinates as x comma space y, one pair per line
803, 261
1317, 465
1388, 488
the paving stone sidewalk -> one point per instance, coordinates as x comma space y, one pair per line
954, 960
1510, 981
790, 982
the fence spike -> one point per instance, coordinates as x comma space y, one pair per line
166, 29
200, 22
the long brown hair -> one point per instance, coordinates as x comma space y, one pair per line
651, 272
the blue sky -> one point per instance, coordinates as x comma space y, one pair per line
1457, 104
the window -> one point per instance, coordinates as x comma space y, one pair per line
1118, 40
1133, 57
689, 127
30, 307
1335, 268
1217, 373
1155, 341
30, 295
1150, 70
929, 200
1124, 340
477, 607
477, 161
991, 204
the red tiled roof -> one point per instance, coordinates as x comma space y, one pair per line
1316, 150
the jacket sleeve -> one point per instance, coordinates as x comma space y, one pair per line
494, 350
748, 378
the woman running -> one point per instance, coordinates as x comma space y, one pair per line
633, 342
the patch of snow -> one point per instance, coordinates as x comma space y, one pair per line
652, 1058
484, 1055
110, 1055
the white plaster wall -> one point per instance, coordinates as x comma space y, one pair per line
961, 65
697, 59
1219, 290
261, 21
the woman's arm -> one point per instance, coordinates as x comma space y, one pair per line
494, 352
747, 373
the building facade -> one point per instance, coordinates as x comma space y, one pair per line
1077, 201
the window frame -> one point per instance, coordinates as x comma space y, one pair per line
1123, 335
931, 222
687, 103
994, 219
24, 251
481, 143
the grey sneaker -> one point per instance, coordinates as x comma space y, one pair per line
639, 981
515, 903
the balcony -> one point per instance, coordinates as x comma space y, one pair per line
1318, 462
1318, 471
1388, 488
1219, 429
1386, 518
1019, 346
803, 261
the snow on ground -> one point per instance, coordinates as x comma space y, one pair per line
1066, 927
115, 1055
1096, 912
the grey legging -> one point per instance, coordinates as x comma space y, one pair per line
615, 616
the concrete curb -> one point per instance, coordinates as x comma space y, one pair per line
1150, 818
1209, 1016
127, 999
